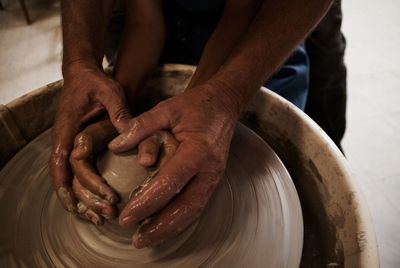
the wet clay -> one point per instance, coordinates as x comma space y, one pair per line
252, 220
125, 175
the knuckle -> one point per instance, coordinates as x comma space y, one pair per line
170, 184
139, 122
168, 112
82, 140
58, 163
121, 113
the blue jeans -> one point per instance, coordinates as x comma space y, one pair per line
292, 79
189, 25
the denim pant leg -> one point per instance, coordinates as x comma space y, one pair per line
292, 79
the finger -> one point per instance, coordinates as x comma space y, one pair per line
90, 141
87, 214
140, 128
93, 139
92, 201
163, 187
83, 146
177, 216
67, 198
64, 131
115, 104
148, 151
88, 178
169, 146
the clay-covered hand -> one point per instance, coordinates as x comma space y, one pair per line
202, 120
95, 197
87, 92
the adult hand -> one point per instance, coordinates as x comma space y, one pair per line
87, 92
202, 120
90, 189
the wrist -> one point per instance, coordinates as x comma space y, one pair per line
76, 67
229, 97
232, 95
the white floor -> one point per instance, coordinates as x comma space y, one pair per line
30, 57
372, 141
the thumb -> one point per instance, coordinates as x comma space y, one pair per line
140, 128
118, 111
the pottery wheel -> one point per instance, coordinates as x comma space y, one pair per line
253, 219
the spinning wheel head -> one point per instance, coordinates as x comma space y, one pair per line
253, 219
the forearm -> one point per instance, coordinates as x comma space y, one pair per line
237, 16
84, 25
141, 45
276, 30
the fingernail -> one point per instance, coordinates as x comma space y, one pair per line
108, 217
115, 143
93, 217
140, 241
95, 220
81, 208
65, 196
113, 199
106, 214
127, 220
